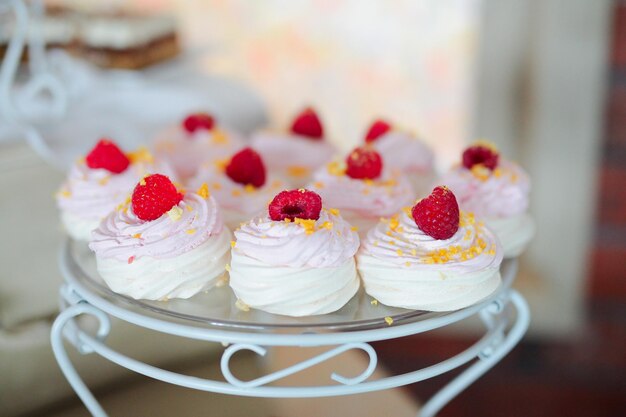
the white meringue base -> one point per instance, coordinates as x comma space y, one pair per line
180, 277
292, 291
514, 232
429, 290
79, 228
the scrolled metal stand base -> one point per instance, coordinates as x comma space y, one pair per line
485, 353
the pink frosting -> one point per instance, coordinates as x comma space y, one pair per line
234, 196
282, 151
188, 151
503, 193
123, 236
381, 197
278, 243
406, 152
93, 193
406, 245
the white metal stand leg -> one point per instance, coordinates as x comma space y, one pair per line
62, 327
488, 358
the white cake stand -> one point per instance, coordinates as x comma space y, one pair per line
213, 317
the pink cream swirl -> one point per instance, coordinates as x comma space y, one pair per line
284, 151
502, 192
378, 198
327, 242
123, 236
408, 153
93, 193
90, 193
400, 242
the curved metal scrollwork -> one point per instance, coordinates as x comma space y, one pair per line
492, 316
231, 350
64, 325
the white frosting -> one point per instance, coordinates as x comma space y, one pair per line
295, 269
53, 30
88, 195
187, 152
500, 198
292, 156
515, 232
238, 202
78, 228
180, 253
363, 199
406, 152
291, 291
121, 32
178, 277
401, 266
504, 192
292, 245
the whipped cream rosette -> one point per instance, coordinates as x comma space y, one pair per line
362, 189
98, 183
162, 244
240, 185
430, 258
195, 141
298, 261
409, 154
496, 191
296, 154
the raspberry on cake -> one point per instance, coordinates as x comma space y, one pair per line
363, 187
410, 155
376, 130
99, 182
162, 243
198, 139
480, 154
294, 154
246, 167
198, 121
240, 184
438, 214
307, 124
301, 203
430, 257
497, 191
295, 260
107, 155
154, 196
364, 163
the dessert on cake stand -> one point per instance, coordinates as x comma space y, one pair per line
47, 101
214, 318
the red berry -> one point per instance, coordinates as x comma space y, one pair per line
364, 163
303, 204
107, 155
154, 196
246, 167
378, 128
308, 124
482, 155
438, 214
197, 121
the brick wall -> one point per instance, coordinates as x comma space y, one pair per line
608, 271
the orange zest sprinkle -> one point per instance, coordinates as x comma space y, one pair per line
203, 191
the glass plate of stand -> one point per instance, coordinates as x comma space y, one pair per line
216, 308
